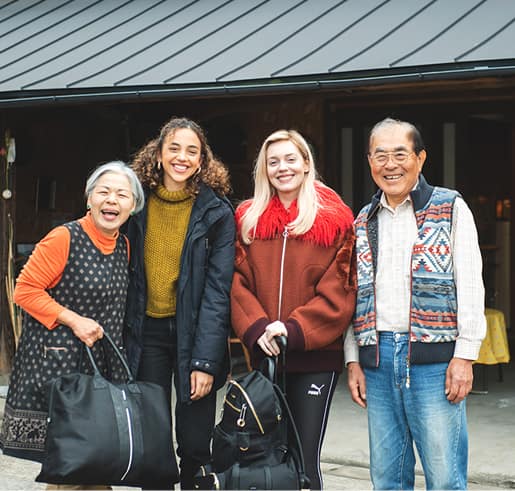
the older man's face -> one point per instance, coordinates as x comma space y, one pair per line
393, 163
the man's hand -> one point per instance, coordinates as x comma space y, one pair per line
201, 384
458, 380
356, 383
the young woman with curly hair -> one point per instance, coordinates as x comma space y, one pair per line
182, 255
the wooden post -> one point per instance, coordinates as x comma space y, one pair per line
7, 338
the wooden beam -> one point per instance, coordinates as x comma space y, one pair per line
7, 339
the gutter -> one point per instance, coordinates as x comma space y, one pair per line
263, 87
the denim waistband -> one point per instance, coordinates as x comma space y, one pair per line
393, 335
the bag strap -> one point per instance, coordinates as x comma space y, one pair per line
282, 341
130, 378
104, 353
298, 454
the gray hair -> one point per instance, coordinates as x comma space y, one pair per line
413, 132
118, 167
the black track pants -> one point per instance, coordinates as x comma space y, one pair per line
309, 396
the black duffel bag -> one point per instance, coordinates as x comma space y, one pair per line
101, 433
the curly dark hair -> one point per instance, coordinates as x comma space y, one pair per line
212, 171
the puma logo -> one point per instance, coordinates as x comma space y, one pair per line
315, 391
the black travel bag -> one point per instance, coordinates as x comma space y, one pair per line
256, 444
101, 433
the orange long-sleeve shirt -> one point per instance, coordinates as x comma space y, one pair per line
45, 268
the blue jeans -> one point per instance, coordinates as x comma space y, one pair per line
399, 415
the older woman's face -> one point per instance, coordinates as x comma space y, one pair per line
111, 201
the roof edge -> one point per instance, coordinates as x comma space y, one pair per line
254, 87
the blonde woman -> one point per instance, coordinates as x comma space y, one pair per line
294, 276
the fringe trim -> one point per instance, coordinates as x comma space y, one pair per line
333, 218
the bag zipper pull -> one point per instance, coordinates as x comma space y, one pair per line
241, 420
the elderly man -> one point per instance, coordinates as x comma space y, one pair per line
419, 319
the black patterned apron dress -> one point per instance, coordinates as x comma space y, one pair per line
93, 285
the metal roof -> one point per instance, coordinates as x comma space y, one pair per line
81, 45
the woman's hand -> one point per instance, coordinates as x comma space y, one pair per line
87, 330
267, 340
201, 384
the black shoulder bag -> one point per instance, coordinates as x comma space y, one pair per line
101, 433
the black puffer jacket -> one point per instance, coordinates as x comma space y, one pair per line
203, 309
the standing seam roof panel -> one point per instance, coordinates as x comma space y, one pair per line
10, 12
67, 38
297, 42
354, 36
202, 38
470, 30
273, 37
500, 45
97, 47
250, 40
21, 43
52, 45
30, 25
140, 47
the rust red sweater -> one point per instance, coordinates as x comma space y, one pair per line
319, 289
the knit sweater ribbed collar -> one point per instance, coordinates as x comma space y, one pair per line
171, 196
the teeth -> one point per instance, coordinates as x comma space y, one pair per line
393, 177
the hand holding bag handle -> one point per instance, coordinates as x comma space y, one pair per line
130, 378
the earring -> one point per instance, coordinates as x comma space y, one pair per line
88, 207
158, 165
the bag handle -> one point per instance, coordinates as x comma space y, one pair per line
269, 364
130, 378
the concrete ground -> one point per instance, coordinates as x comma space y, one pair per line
491, 419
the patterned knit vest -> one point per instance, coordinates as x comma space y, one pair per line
94, 285
433, 311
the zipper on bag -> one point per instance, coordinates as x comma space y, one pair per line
250, 405
131, 442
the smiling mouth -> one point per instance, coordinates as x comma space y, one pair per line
180, 167
285, 177
393, 178
110, 213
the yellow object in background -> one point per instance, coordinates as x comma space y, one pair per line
494, 348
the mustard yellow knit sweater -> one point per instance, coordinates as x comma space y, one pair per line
167, 222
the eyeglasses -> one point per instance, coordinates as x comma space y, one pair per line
382, 158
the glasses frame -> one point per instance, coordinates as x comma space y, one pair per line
390, 156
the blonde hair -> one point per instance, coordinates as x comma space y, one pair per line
307, 201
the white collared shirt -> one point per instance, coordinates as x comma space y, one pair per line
397, 233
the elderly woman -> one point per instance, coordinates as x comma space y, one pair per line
73, 288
